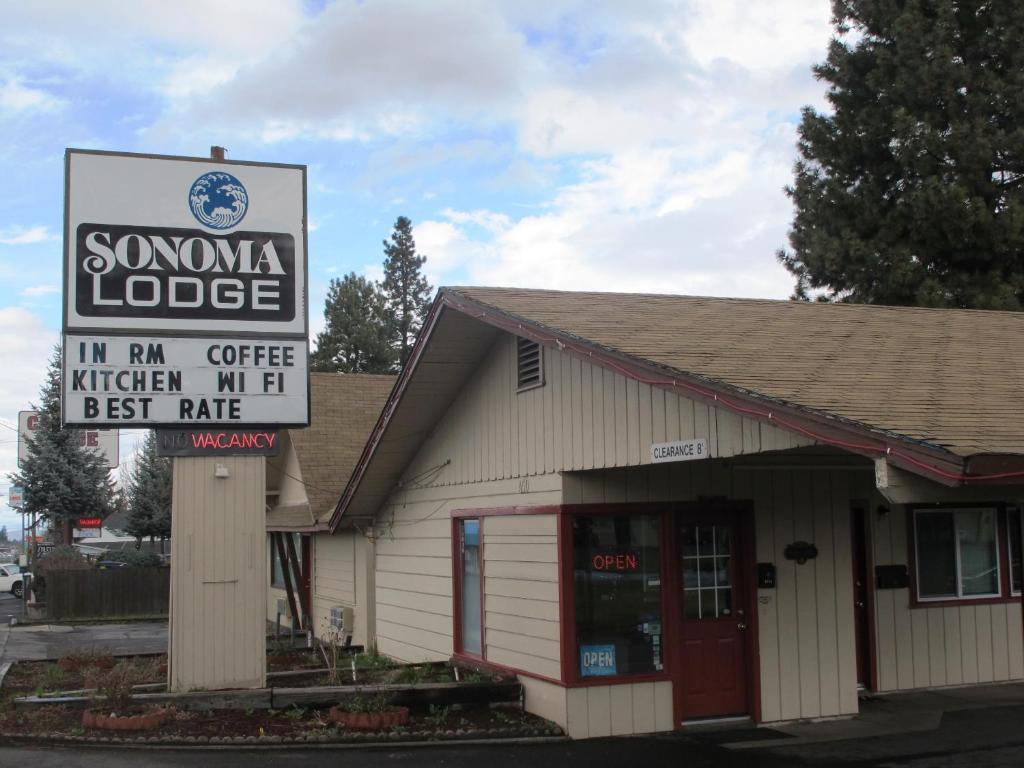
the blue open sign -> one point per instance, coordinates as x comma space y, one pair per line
597, 660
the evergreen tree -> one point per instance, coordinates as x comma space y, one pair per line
356, 338
911, 191
148, 495
62, 480
406, 290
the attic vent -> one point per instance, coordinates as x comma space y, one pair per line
530, 368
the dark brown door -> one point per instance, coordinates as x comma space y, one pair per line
860, 598
713, 670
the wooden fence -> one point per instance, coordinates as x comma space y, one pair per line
107, 593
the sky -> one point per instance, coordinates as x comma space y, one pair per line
640, 146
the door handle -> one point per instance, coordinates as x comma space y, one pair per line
741, 625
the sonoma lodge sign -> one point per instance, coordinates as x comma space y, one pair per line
174, 312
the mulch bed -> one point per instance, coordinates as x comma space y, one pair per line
294, 725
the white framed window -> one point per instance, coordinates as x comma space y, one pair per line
957, 553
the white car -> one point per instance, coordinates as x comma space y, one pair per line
12, 579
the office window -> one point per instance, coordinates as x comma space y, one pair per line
617, 564
957, 553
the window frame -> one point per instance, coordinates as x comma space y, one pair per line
273, 558
458, 519
1003, 595
1013, 510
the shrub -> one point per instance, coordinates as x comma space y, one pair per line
62, 558
134, 557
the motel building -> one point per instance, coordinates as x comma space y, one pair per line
657, 510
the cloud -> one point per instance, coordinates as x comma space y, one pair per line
15, 97
40, 290
26, 236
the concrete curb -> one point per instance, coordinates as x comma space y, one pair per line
365, 741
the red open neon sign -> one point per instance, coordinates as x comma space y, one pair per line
623, 562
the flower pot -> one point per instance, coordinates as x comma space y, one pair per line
370, 721
145, 721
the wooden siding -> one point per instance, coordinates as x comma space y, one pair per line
521, 593
618, 710
218, 574
805, 624
584, 417
926, 647
413, 574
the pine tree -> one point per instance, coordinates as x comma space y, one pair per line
911, 191
148, 495
406, 290
356, 338
62, 480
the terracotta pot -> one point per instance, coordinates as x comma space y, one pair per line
145, 722
370, 721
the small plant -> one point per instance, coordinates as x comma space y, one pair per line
374, 661
438, 716
295, 713
504, 717
51, 677
360, 702
409, 675
115, 687
331, 646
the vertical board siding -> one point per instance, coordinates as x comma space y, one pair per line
617, 710
583, 417
927, 647
218, 574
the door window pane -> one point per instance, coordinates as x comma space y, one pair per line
470, 603
617, 565
707, 593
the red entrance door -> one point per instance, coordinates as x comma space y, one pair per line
713, 667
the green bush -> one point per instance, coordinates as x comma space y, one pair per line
135, 557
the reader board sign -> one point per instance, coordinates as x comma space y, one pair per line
217, 442
102, 441
15, 497
184, 292
679, 450
154, 381
185, 245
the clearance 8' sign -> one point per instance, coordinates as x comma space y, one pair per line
185, 292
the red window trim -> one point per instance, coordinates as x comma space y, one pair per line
1002, 538
457, 521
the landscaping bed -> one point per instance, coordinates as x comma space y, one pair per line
294, 709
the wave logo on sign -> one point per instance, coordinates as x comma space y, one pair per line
218, 200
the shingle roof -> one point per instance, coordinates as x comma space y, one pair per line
951, 378
344, 410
